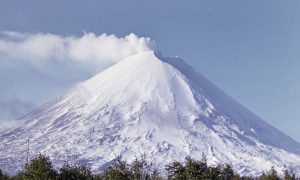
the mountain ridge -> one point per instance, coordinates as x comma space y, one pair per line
179, 64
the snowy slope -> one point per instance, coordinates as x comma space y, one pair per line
152, 106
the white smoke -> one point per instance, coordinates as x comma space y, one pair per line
88, 49
37, 67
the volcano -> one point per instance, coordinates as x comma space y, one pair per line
151, 106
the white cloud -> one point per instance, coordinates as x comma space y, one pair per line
88, 49
37, 67
9, 123
11, 109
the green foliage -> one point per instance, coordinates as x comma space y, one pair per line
289, 175
3, 176
140, 169
176, 170
40, 167
227, 172
193, 169
137, 169
270, 175
120, 170
74, 172
197, 169
214, 172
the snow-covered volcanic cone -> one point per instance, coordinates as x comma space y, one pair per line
152, 106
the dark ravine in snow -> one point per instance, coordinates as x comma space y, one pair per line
153, 106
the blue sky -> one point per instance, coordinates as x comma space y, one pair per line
250, 49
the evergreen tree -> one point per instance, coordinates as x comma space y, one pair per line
74, 172
120, 170
3, 176
197, 169
270, 175
39, 167
215, 173
289, 175
176, 171
137, 169
227, 172
154, 175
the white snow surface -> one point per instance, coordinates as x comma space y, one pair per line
151, 106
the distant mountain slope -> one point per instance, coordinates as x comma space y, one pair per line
151, 106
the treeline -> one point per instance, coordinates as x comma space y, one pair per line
41, 168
